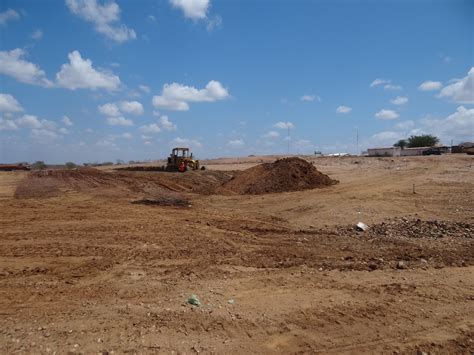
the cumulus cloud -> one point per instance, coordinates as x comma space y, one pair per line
386, 138
310, 98
79, 74
392, 87
213, 23
235, 143
132, 107
459, 125
377, 82
144, 88
31, 121
8, 15
166, 124
343, 109
399, 100
37, 35
176, 96
67, 121
271, 135
119, 121
43, 134
178, 141
150, 128
9, 104
387, 115
13, 64
405, 125
461, 90
193, 9
430, 85
106, 18
284, 125
7, 125
121, 107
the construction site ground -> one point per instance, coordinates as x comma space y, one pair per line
84, 270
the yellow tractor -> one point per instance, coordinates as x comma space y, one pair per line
181, 160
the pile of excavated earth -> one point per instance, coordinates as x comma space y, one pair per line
290, 174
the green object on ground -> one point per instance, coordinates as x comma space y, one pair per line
194, 300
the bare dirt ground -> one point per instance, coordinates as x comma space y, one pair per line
84, 270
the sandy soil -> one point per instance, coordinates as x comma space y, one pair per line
87, 271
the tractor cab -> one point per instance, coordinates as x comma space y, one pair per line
181, 159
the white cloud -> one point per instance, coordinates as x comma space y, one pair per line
8, 15
29, 121
235, 143
387, 138
176, 96
377, 82
67, 121
430, 85
119, 121
343, 109
461, 90
107, 142
405, 125
387, 114
7, 125
284, 125
13, 64
271, 134
43, 134
151, 128
37, 35
132, 107
144, 88
106, 18
399, 100
193, 9
310, 98
145, 137
79, 74
186, 142
127, 135
392, 87
109, 109
9, 104
213, 23
458, 126
118, 108
166, 124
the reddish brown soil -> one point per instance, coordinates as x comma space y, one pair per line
288, 174
86, 271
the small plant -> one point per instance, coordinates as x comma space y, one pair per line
39, 165
70, 165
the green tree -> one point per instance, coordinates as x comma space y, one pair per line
425, 140
39, 165
70, 165
402, 143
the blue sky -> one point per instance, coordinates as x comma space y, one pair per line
88, 80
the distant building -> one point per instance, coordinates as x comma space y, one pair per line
384, 152
409, 152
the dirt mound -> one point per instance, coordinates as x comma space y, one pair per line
288, 174
50, 183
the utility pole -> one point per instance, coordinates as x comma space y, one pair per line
357, 140
288, 138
